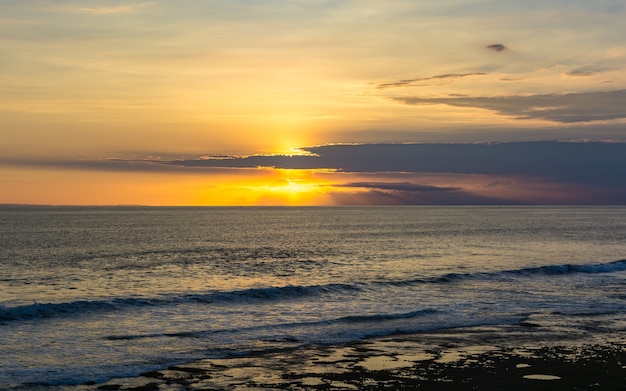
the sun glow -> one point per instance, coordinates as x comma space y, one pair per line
290, 187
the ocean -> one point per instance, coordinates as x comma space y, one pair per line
92, 293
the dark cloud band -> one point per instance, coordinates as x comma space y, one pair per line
579, 162
398, 186
594, 165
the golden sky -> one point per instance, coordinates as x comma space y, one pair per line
100, 100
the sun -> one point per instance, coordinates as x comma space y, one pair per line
290, 187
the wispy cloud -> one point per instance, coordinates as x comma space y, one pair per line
581, 72
565, 108
410, 82
123, 8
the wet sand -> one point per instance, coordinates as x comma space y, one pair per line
516, 357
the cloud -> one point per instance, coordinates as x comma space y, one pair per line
122, 8
598, 163
498, 47
597, 166
547, 172
409, 82
254, 161
408, 193
581, 72
594, 164
140, 165
399, 193
398, 186
565, 108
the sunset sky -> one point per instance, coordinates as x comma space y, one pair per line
293, 102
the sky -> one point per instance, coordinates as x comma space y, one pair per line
294, 102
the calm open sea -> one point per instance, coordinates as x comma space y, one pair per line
87, 294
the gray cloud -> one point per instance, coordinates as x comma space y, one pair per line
143, 165
409, 82
272, 161
498, 47
407, 193
398, 186
566, 108
581, 72
592, 163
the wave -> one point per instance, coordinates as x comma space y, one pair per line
47, 310
252, 295
551, 270
608, 267
285, 293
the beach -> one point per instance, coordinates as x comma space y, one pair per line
523, 356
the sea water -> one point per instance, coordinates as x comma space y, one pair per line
87, 294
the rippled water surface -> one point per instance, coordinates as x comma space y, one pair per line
92, 293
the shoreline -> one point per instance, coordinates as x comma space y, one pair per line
513, 357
